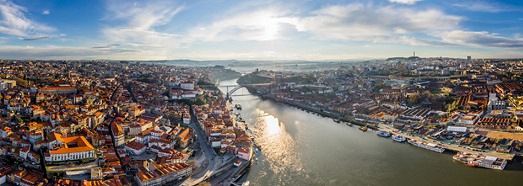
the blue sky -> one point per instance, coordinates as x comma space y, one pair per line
267, 30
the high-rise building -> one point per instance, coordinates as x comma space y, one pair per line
469, 58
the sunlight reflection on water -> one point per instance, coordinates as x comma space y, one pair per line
276, 144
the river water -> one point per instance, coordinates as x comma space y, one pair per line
300, 148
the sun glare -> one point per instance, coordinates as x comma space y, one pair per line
272, 125
269, 26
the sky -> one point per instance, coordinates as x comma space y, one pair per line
259, 30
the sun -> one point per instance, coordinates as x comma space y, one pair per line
269, 26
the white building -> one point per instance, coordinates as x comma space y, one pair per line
187, 85
68, 148
6, 83
244, 153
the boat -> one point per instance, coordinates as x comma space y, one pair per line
337, 120
349, 124
480, 160
246, 183
429, 146
363, 128
398, 138
384, 134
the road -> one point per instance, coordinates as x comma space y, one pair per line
210, 155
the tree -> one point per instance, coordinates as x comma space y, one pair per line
413, 100
200, 102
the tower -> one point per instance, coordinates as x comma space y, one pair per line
414, 54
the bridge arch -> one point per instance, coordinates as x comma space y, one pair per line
237, 87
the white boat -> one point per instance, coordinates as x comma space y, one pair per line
246, 183
399, 138
480, 160
425, 145
384, 134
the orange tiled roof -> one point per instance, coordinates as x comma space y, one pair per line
57, 88
83, 144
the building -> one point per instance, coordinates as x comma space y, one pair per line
184, 137
118, 134
135, 148
152, 173
58, 89
187, 85
136, 110
6, 83
68, 148
244, 153
96, 173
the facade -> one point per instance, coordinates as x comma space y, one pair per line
118, 134
188, 85
68, 148
244, 153
6, 83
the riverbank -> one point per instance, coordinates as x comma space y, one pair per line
388, 128
384, 127
454, 148
300, 148
320, 112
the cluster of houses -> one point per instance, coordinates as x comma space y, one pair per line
109, 123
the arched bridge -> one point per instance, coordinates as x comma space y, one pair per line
238, 87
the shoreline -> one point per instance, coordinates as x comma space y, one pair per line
448, 147
319, 112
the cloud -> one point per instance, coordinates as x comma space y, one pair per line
143, 15
46, 12
484, 6
14, 22
140, 26
481, 39
62, 52
409, 2
255, 25
367, 22
35, 38
107, 46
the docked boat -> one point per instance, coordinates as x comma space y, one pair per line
364, 128
480, 160
429, 146
337, 120
399, 138
384, 134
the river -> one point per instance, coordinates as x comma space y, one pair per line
300, 148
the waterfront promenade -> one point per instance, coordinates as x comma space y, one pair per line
451, 147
